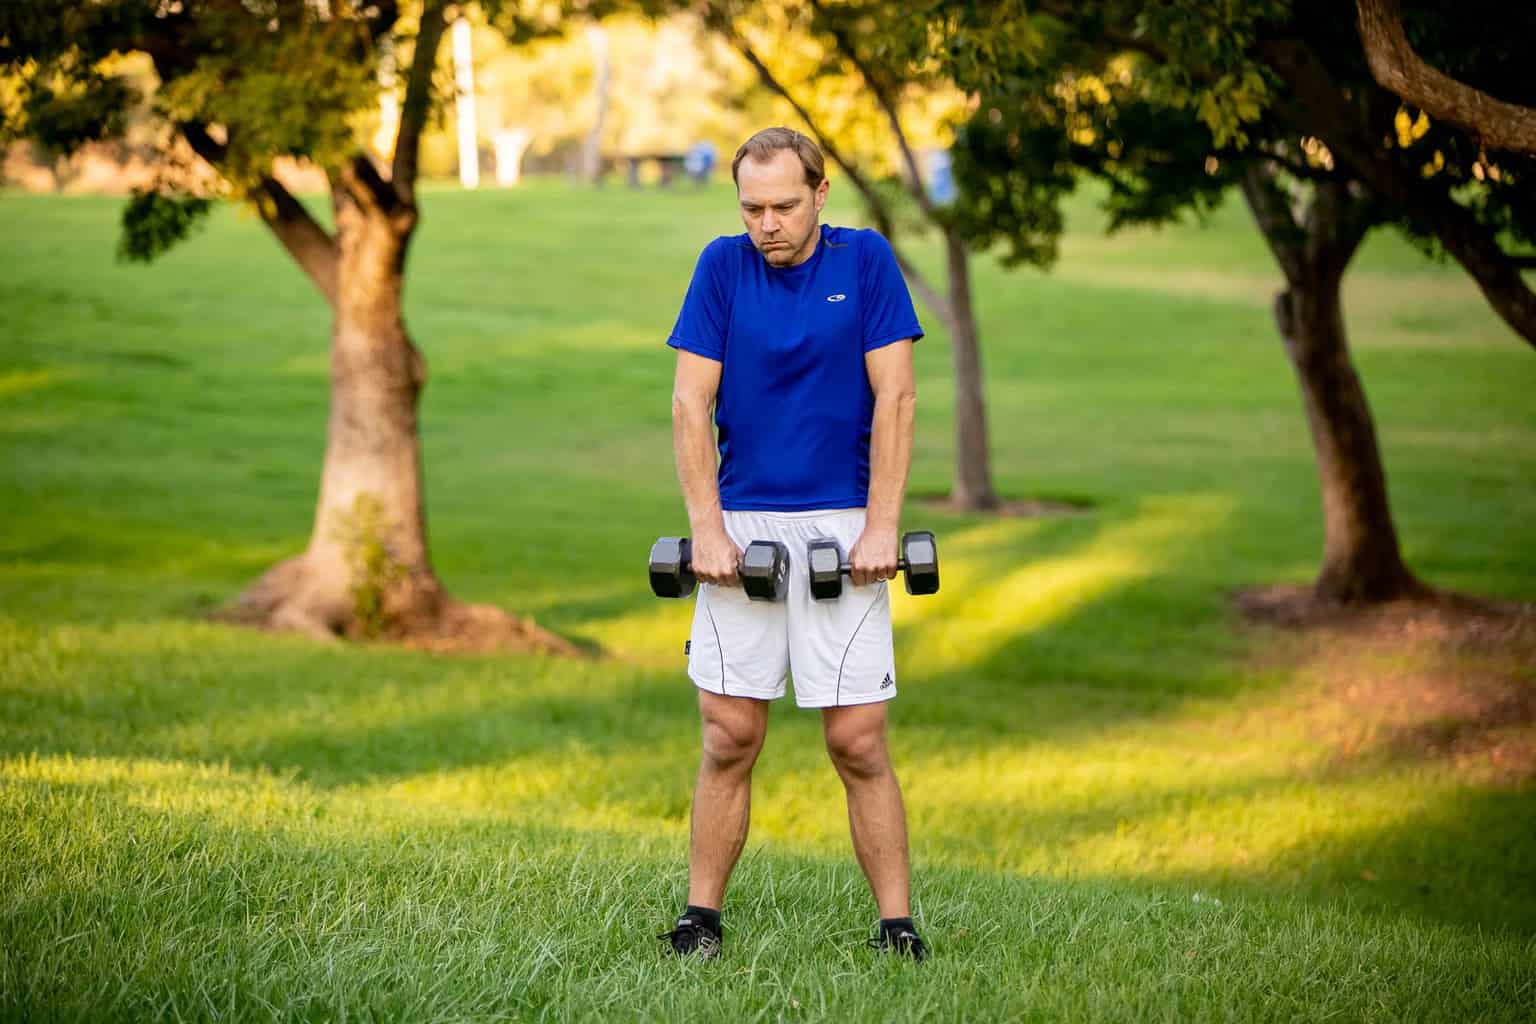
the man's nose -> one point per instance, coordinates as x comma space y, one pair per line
770, 223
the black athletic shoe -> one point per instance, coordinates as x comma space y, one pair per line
693, 937
901, 939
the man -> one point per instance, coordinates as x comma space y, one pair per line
799, 337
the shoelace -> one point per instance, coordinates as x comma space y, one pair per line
902, 941
687, 928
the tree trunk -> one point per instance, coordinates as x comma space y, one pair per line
366, 568
1362, 561
973, 473
602, 86
366, 572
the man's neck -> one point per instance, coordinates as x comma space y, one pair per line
811, 250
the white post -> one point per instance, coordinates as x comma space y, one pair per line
464, 103
510, 145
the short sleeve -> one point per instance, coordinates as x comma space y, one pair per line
887, 305
705, 318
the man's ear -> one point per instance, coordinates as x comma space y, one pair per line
821, 194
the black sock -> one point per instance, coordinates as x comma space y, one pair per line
896, 924
705, 914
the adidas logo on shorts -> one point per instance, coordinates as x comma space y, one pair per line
887, 682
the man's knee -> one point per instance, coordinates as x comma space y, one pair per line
732, 741
858, 751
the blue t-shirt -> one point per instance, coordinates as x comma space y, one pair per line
795, 407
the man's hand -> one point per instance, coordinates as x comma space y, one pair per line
873, 558
716, 558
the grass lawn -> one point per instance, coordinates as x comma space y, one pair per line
1125, 804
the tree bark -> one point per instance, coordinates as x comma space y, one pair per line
1398, 68
366, 566
973, 474
1362, 559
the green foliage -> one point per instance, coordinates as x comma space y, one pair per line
1011, 178
153, 222
63, 112
1022, 152
290, 93
1167, 102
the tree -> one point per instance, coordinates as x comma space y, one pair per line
242, 83
1170, 106
888, 76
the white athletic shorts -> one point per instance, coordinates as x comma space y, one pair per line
839, 652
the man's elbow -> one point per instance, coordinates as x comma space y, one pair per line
904, 399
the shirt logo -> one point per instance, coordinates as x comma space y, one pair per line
839, 297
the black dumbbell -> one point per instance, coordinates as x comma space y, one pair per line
919, 561
764, 569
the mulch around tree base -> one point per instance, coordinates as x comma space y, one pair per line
1444, 677
486, 629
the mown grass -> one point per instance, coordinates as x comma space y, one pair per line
1117, 811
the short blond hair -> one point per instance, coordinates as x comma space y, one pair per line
764, 144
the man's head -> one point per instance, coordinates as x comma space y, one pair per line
781, 184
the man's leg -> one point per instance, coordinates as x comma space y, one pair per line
856, 742
734, 728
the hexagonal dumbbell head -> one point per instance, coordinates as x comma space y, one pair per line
765, 570
672, 567
824, 555
921, 555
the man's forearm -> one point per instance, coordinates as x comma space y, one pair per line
693, 446
890, 457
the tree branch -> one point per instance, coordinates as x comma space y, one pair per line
925, 290
418, 102
311, 247
1319, 100
872, 199
1397, 68
914, 179
306, 241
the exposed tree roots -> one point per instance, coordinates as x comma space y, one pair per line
295, 596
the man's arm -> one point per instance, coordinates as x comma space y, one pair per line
890, 457
715, 555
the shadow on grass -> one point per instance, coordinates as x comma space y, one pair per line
1048, 631
1467, 860
260, 895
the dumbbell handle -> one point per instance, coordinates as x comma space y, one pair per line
688, 566
688, 562
847, 569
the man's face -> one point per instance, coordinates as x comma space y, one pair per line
779, 209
